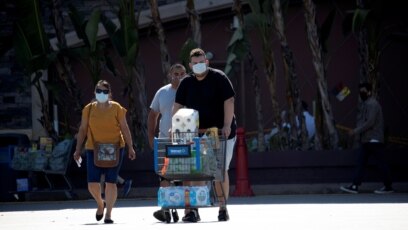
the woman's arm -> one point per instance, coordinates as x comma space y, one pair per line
128, 137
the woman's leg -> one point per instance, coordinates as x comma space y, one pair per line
94, 185
111, 193
95, 190
111, 190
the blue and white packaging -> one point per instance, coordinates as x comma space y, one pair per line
184, 196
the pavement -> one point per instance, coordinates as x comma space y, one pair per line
365, 211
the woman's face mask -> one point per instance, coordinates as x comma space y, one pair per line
101, 97
199, 68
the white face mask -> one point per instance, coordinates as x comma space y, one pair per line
101, 97
199, 68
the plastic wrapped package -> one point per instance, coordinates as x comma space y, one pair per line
184, 196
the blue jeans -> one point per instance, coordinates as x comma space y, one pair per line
376, 150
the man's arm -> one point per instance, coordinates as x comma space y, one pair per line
151, 125
176, 107
228, 115
128, 137
372, 110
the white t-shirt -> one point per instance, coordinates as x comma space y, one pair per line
163, 103
310, 124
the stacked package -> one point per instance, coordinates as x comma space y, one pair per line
184, 129
185, 124
188, 165
184, 196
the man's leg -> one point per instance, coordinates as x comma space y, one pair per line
225, 185
377, 150
164, 214
191, 214
362, 159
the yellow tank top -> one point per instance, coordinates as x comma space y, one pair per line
104, 124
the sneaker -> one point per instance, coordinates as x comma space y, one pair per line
162, 215
384, 190
198, 214
126, 187
175, 216
192, 216
223, 215
350, 189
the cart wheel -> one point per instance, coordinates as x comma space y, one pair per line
175, 215
168, 217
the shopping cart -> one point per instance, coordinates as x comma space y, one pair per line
189, 156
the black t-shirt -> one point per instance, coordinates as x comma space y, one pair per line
207, 97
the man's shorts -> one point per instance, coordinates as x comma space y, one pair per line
229, 152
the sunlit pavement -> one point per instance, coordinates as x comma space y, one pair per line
331, 211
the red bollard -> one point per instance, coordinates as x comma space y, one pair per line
242, 186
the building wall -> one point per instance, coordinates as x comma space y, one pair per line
15, 96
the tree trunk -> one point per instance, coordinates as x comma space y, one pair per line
258, 105
63, 66
270, 68
45, 120
363, 48
293, 92
165, 57
255, 82
316, 49
194, 22
138, 105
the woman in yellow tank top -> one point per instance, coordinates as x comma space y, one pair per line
103, 120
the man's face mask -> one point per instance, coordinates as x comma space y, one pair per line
199, 68
363, 95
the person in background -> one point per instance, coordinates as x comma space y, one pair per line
161, 106
210, 92
309, 120
126, 186
370, 133
104, 121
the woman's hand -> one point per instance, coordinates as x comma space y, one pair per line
132, 153
77, 154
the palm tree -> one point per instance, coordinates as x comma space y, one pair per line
293, 92
33, 53
126, 42
165, 57
362, 48
368, 23
195, 40
194, 22
92, 54
63, 64
261, 19
239, 49
316, 49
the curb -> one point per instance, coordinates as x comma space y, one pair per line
259, 190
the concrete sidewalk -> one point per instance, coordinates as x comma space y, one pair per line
313, 211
